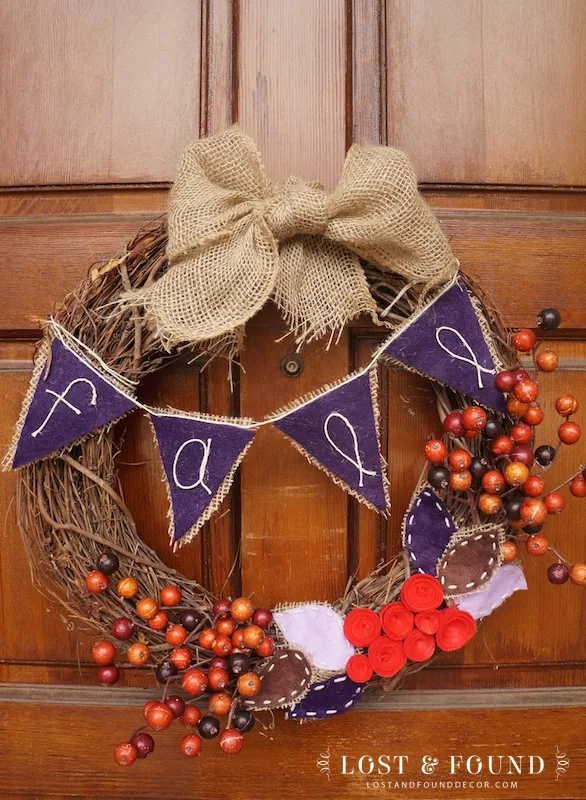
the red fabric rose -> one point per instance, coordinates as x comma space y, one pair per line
422, 592
397, 620
419, 646
456, 629
428, 621
358, 669
361, 627
387, 656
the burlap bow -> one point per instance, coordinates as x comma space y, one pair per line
235, 241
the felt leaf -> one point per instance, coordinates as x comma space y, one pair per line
285, 678
507, 579
469, 562
318, 631
427, 529
327, 698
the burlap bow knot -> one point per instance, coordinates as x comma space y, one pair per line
235, 241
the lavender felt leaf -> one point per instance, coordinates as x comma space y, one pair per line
318, 631
508, 578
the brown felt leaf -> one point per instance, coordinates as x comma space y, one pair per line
469, 561
285, 679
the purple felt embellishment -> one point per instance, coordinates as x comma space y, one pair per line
338, 430
197, 456
67, 404
446, 342
428, 528
327, 698
507, 579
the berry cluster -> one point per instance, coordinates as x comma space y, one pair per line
211, 655
409, 630
497, 480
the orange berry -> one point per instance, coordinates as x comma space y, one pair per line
127, 587
566, 404
459, 459
547, 361
516, 473
176, 635
96, 582
248, 684
170, 596
578, 486
536, 545
147, 608
533, 511
526, 391
159, 622
533, 486
489, 504
509, 551
569, 432
138, 654
524, 340
461, 481
242, 609
578, 574
493, 481
516, 408
554, 502
534, 415
219, 704
253, 636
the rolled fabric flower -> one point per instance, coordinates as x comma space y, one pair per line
422, 592
455, 630
361, 627
358, 668
397, 620
428, 621
419, 646
387, 656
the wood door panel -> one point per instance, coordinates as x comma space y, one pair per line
123, 99
495, 96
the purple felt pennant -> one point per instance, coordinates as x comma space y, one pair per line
427, 529
337, 431
336, 695
445, 341
508, 578
199, 457
68, 402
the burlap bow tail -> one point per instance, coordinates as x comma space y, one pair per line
235, 241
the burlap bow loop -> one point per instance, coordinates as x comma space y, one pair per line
235, 241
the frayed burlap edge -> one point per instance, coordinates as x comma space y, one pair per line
42, 361
224, 487
373, 381
465, 533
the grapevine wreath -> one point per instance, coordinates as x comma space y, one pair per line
231, 242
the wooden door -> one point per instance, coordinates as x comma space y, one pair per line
488, 98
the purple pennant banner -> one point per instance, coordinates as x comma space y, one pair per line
337, 431
68, 403
199, 457
446, 342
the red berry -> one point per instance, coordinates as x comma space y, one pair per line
521, 433
231, 741
566, 405
176, 635
218, 679
207, 638
221, 606
459, 459
96, 582
217, 662
505, 381
266, 648
176, 704
147, 707
144, 743
159, 716
435, 451
170, 596
534, 415
578, 486
125, 754
474, 418
526, 391
454, 424
180, 657
524, 454
222, 645
160, 621
534, 486
516, 408
195, 681
191, 716
138, 654
191, 745
521, 375
103, 652
219, 704
493, 481
569, 432
262, 617
524, 340
109, 674
502, 446
536, 545
533, 511
554, 502
547, 361
226, 626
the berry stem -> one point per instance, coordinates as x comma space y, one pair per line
568, 480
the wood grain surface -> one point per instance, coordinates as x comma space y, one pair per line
488, 99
